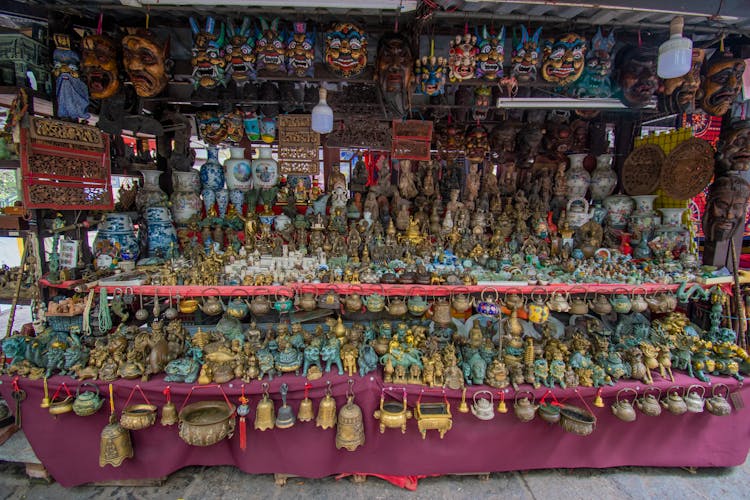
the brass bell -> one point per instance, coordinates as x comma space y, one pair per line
305, 413
169, 414
501, 406
463, 407
285, 417
114, 445
264, 412
598, 402
350, 432
327, 411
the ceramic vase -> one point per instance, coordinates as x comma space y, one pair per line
209, 200
118, 233
672, 216
237, 170
186, 200
150, 194
162, 239
222, 201
619, 207
212, 173
237, 199
577, 178
644, 202
265, 170
603, 179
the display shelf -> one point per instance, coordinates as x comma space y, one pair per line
400, 290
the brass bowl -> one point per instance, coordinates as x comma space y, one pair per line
60, 406
138, 416
549, 413
577, 420
206, 422
188, 306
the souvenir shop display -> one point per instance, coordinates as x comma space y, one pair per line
380, 246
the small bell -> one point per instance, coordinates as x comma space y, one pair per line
598, 402
169, 410
305, 413
114, 444
350, 432
45, 399
327, 411
264, 412
501, 406
463, 407
285, 417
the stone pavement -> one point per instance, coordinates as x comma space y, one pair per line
559, 484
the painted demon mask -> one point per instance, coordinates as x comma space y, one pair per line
394, 70
99, 66
734, 148
726, 207
239, 55
636, 76
563, 59
679, 93
482, 96
300, 52
525, 57
503, 138
208, 59
477, 144
235, 124
462, 57
449, 141
211, 127
491, 54
722, 81
431, 73
270, 48
146, 61
596, 81
345, 51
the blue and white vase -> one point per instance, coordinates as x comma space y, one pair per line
162, 238
212, 173
209, 199
150, 194
117, 238
222, 201
237, 199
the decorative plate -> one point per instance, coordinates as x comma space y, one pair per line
688, 169
642, 170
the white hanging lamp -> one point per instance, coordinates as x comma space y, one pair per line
322, 114
676, 54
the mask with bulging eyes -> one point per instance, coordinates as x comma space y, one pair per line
270, 48
345, 51
146, 62
636, 76
563, 59
525, 58
209, 62
99, 66
300, 52
239, 54
722, 82
490, 54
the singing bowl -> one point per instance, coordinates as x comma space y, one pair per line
206, 422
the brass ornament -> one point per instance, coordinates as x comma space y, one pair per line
264, 413
392, 415
327, 411
114, 444
350, 432
305, 412
433, 416
463, 407
169, 410
285, 416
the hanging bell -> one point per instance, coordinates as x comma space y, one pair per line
285, 417
598, 401
305, 413
350, 432
169, 410
264, 412
327, 411
114, 445
463, 407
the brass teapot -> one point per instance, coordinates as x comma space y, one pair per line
260, 305
638, 302
578, 305
718, 404
674, 402
600, 305
88, 402
308, 301
662, 303
353, 303
185, 306
621, 303
524, 408
374, 302
417, 305
649, 403
462, 302
484, 408
514, 301
397, 307
558, 302
213, 306
329, 300
441, 312
695, 402
622, 408
237, 308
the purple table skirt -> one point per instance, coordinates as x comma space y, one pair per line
68, 445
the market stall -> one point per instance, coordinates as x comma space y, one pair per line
399, 250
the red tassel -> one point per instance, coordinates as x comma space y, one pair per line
243, 434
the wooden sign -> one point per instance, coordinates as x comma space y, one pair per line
361, 132
411, 140
65, 166
298, 145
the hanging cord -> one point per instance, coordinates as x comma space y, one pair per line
86, 327
105, 318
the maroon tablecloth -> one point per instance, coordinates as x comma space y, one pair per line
68, 445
